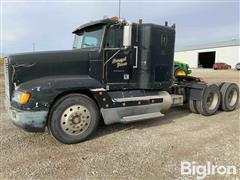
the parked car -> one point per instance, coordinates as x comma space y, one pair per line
237, 66
221, 66
181, 69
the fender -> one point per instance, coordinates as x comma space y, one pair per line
44, 90
196, 91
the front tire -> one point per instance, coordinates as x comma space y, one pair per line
73, 118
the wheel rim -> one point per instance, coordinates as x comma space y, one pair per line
232, 97
181, 73
75, 120
212, 100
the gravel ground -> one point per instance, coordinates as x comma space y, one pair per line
152, 149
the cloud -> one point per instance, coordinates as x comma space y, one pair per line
50, 24
14, 35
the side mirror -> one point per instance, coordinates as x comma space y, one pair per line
127, 35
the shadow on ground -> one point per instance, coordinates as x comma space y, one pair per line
170, 117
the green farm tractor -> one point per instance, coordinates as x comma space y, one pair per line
181, 69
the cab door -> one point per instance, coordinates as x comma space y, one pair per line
117, 60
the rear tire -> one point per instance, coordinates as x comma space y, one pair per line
230, 96
220, 84
73, 118
210, 101
192, 106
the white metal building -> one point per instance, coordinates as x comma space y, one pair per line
204, 56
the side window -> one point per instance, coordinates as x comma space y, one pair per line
115, 37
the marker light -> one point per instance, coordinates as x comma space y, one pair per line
114, 18
25, 98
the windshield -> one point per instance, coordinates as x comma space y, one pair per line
90, 37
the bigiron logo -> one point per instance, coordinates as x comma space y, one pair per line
202, 171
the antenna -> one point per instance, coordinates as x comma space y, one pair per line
119, 9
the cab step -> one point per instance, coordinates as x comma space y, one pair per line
128, 119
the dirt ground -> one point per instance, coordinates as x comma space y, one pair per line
152, 149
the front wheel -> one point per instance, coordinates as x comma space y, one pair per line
73, 118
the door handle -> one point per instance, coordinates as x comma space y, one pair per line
136, 60
126, 52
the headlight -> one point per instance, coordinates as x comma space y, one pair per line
21, 97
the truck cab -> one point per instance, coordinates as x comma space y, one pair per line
117, 71
122, 53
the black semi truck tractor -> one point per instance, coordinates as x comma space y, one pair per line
117, 72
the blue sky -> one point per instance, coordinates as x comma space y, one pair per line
50, 24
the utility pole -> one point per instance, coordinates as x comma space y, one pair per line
119, 9
33, 45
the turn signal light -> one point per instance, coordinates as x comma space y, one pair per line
25, 98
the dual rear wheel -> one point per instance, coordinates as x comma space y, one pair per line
224, 96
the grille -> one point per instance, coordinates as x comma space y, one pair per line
6, 77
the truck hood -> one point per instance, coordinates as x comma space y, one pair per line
29, 66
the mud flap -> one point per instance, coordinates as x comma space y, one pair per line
196, 91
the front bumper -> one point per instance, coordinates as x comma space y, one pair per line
31, 121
